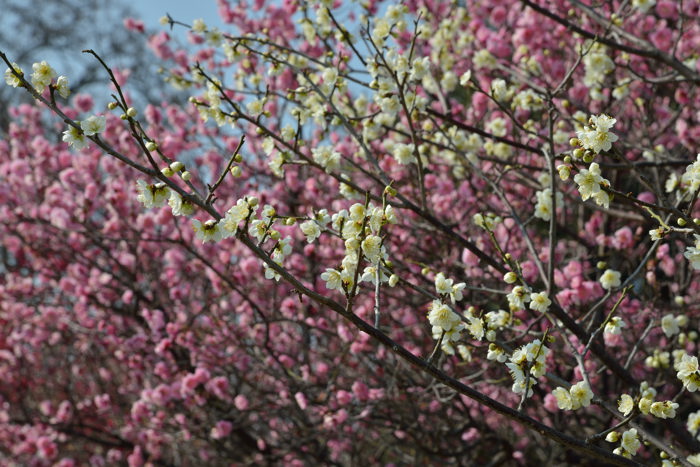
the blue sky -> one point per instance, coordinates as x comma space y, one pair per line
150, 11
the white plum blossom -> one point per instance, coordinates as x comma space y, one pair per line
589, 181
664, 409
179, 205
42, 75
693, 423
614, 326
333, 278
404, 153
579, 395
518, 297
62, 87
597, 64
610, 279
445, 286
691, 177
688, 372
563, 398
372, 248
597, 136
441, 316
630, 442
540, 302
10, 78
93, 125
75, 138
670, 325
311, 229
152, 196
543, 208
530, 358
692, 253
208, 231
240, 211
626, 404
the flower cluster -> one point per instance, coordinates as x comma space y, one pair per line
596, 136
579, 395
590, 184
526, 364
629, 445
360, 227
446, 325
688, 372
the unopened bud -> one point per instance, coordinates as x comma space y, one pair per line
680, 221
131, 112
236, 171
510, 277
151, 146
167, 171
564, 172
574, 142
112, 105
186, 176
177, 166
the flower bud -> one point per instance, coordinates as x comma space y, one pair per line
510, 277
186, 176
564, 172
167, 171
131, 112
236, 171
112, 105
177, 166
680, 221
151, 146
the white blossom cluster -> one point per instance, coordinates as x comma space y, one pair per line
526, 365
360, 227
590, 184
579, 395
596, 136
